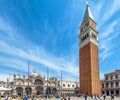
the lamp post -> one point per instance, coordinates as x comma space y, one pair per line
8, 83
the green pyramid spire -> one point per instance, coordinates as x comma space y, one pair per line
87, 14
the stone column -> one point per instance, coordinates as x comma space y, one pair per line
33, 90
105, 92
109, 85
114, 92
119, 84
24, 93
109, 92
119, 92
44, 89
114, 85
14, 92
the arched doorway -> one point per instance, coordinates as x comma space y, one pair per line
39, 86
39, 90
76, 91
48, 90
19, 91
28, 90
54, 91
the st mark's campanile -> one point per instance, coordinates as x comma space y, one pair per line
88, 55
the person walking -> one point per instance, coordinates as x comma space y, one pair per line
112, 97
85, 96
104, 97
95, 97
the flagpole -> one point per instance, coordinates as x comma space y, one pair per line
47, 81
61, 82
28, 78
47, 75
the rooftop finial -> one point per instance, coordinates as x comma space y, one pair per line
87, 3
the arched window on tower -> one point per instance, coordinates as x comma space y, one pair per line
87, 35
94, 36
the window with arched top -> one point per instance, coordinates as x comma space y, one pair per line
117, 84
87, 34
38, 82
72, 85
111, 84
68, 85
63, 85
106, 77
111, 77
102, 85
94, 36
107, 85
116, 76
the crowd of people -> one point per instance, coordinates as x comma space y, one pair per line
85, 96
25, 97
98, 97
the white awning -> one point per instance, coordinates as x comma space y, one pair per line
4, 89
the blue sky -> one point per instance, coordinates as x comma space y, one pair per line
45, 32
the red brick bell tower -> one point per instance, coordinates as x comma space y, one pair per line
88, 55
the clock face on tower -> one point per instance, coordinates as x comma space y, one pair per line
85, 28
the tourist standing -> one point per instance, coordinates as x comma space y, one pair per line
68, 97
32, 97
25, 97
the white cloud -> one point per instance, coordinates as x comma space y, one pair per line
4, 76
108, 29
101, 75
18, 49
115, 7
31, 52
104, 12
107, 37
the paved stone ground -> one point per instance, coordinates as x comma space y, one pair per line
73, 98
81, 98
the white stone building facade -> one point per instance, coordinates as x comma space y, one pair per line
111, 83
34, 85
69, 87
38, 85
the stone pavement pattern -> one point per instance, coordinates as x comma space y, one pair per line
81, 98
72, 98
